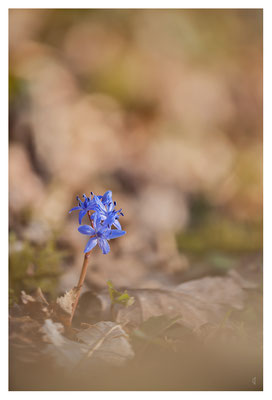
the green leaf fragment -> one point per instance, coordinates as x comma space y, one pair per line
119, 297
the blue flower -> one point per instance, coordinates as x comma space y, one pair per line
112, 217
103, 217
106, 208
84, 206
100, 234
106, 198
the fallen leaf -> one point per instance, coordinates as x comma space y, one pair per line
26, 298
198, 302
34, 306
67, 300
108, 342
215, 290
66, 352
103, 342
37, 297
155, 326
152, 331
150, 303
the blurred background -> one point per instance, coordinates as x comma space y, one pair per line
164, 108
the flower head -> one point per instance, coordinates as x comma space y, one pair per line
89, 204
99, 234
110, 215
103, 216
84, 206
106, 198
105, 206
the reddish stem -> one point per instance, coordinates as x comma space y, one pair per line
80, 283
81, 278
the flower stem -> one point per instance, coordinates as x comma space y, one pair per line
82, 276
80, 283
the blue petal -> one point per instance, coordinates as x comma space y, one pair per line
81, 215
96, 220
75, 208
91, 206
115, 233
117, 224
86, 230
103, 231
99, 204
109, 220
92, 242
107, 197
104, 245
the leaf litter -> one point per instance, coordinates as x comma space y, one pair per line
130, 329
105, 341
198, 302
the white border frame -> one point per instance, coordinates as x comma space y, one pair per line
267, 182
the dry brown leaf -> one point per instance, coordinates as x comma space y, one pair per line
34, 305
26, 298
155, 302
198, 302
39, 296
215, 290
108, 342
67, 300
103, 342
